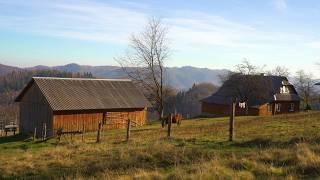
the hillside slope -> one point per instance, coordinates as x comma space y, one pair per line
4, 69
179, 77
281, 147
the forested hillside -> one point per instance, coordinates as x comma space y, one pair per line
4, 69
16, 80
12, 83
187, 102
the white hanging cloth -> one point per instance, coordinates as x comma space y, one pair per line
242, 105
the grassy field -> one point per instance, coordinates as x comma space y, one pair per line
281, 147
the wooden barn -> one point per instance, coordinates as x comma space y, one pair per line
78, 105
281, 97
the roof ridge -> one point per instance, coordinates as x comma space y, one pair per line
91, 79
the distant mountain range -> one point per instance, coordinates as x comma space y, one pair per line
178, 77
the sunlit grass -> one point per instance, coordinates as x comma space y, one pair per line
266, 147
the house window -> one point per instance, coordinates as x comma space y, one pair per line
278, 106
284, 90
291, 108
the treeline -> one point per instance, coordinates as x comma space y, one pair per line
12, 83
16, 80
187, 102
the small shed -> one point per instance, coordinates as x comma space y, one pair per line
78, 105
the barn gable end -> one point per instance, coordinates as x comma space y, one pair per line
35, 112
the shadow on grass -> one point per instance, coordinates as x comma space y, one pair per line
258, 143
268, 143
144, 129
14, 138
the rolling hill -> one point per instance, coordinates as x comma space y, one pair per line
4, 69
178, 77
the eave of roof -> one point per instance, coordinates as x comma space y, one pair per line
79, 79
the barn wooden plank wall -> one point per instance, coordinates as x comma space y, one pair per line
89, 121
35, 113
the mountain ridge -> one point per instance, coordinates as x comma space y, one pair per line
179, 77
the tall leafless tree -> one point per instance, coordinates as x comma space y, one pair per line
145, 61
279, 71
247, 68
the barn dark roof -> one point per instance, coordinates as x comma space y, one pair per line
272, 83
88, 94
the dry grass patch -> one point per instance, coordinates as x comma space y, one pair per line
281, 147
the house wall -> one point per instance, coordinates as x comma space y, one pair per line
285, 106
219, 110
78, 121
35, 113
264, 110
224, 110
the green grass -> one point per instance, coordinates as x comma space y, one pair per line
281, 147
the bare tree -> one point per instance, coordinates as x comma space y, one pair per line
279, 71
304, 83
144, 62
247, 68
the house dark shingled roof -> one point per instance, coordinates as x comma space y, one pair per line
273, 82
88, 94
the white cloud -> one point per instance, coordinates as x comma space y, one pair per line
104, 22
315, 45
81, 20
280, 5
196, 30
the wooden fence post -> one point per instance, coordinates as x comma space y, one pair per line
45, 131
82, 131
98, 134
42, 133
232, 117
128, 130
169, 125
34, 134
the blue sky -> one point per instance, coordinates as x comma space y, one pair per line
203, 33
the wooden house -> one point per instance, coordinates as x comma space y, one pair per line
78, 105
281, 98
